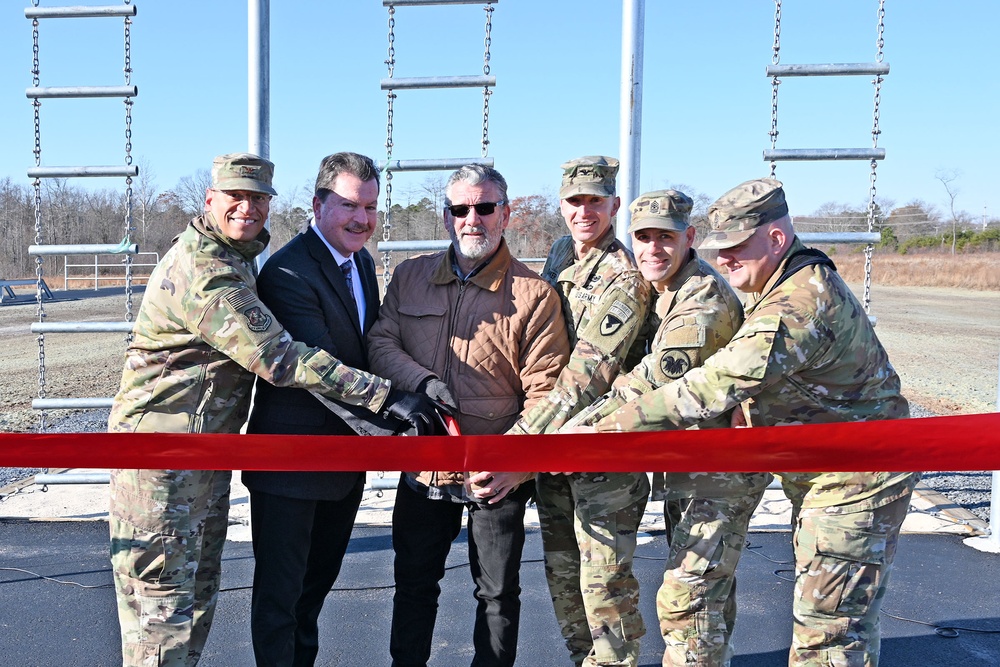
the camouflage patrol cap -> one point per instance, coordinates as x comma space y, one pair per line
242, 171
735, 215
661, 209
591, 175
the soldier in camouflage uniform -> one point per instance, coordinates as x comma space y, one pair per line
696, 313
589, 520
806, 353
200, 337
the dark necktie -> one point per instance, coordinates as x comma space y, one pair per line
345, 268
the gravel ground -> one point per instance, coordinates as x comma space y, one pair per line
944, 342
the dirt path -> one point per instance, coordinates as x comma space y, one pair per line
945, 343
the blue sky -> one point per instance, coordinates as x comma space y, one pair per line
706, 110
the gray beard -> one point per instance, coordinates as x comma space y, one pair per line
475, 249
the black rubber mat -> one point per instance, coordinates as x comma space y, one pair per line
937, 580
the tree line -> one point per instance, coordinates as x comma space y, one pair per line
72, 215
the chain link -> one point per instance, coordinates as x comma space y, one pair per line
775, 81
487, 42
390, 98
872, 189
39, 237
129, 227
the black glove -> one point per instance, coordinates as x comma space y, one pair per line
412, 408
438, 391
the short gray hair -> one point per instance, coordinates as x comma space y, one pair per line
474, 174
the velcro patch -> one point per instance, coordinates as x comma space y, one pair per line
675, 363
621, 310
610, 324
257, 319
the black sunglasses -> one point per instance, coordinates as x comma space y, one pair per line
482, 208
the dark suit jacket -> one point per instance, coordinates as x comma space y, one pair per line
305, 289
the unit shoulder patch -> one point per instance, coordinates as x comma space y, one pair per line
675, 363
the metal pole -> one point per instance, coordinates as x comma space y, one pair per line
991, 543
630, 114
259, 86
995, 494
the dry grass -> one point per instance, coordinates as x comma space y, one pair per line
964, 271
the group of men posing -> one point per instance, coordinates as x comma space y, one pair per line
603, 340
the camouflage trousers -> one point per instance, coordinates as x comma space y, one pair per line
588, 524
168, 528
842, 565
696, 604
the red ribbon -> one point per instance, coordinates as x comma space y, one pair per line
968, 442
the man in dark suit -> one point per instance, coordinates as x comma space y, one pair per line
322, 287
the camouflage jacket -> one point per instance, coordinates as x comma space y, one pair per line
202, 334
605, 301
694, 317
806, 353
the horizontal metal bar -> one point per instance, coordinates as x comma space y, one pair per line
413, 246
74, 478
81, 327
84, 249
401, 3
824, 154
442, 164
78, 12
838, 237
82, 172
70, 403
412, 82
829, 69
53, 92
384, 483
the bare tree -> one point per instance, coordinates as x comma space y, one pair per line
189, 193
948, 178
144, 196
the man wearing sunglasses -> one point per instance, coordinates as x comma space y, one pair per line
479, 332
590, 520
200, 337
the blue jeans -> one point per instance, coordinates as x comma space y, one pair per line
422, 533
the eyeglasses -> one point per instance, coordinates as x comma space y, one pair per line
482, 208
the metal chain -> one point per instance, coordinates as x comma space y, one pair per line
129, 228
39, 237
775, 82
872, 190
486, 71
390, 98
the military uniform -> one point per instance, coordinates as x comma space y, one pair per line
806, 353
589, 520
706, 514
200, 337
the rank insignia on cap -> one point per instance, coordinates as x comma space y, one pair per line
675, 363
257, 320
654, 207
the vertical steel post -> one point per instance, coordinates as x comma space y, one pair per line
630, 111
995, 494
991, 543
259, 85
